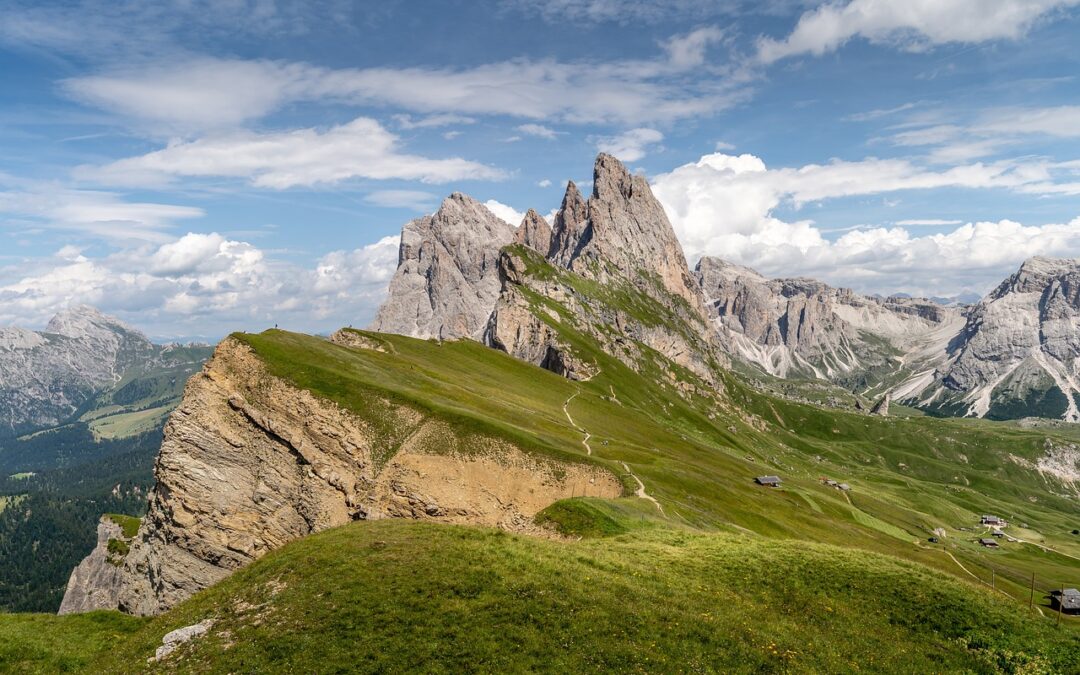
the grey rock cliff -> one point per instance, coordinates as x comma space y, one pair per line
620, 238
534, 232
95, 582
1018, 352
45, 376
447, 277
802, 327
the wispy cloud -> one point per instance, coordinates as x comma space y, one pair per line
362, 148
917, 24
629, 146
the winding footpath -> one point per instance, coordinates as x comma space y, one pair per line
640, 492
587, 435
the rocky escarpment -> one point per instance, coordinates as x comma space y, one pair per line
1018, 353
95, 582
45, 376
805, 328
630, 288
447, 280
249, 462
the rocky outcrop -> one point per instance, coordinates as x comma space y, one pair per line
805, 328
46, 376
534, 232
621, 240
1018, 353
447, 280
628, 235
95, 582
250, 462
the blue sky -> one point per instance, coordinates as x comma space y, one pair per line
200, 167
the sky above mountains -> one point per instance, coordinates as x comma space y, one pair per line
199, 167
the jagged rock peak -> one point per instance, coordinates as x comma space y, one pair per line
84, 321
534, 232
1034, 275
628, 228
447, 277
569, 232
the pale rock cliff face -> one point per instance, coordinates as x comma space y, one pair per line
95, 582
620, 238
447, 279
802, 327
534, 232
250, 462
628, 228
1020, 343
46, 376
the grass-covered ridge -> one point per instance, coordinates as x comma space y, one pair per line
391, 596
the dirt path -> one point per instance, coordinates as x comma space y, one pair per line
640, 492
1045, 548
587, 435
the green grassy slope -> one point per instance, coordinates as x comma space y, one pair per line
43, 643
699, 457
394, 597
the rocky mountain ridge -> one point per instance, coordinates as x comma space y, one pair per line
1008, 355
46, 376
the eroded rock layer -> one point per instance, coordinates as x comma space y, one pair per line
250, 462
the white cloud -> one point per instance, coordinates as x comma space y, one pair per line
643, 11
212, 94
989, 132
507, 213
431, 121
544, 183
102, 214
206, 280
688, 51
451, 135
927, 222
912, 24
360, 149
631, 145
539, 130
725, 206
417, 200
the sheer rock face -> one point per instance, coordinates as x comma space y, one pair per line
628, 228
447, 279
95, 583
534, 232
571, 228
250, 462
620, 238
46, 376
807, 328
1023, 339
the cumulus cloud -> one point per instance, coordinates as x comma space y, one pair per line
631, 145
207, 280
508, 213
725, 205
362, 148
913, 24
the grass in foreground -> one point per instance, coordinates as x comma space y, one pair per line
43, 643
392, 596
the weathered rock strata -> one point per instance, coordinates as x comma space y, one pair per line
250, 462
95, 582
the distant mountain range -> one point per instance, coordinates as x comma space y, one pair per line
89, 366
1012, 354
